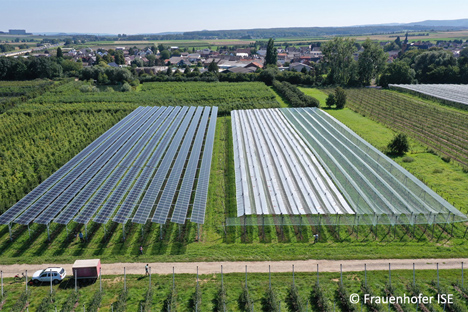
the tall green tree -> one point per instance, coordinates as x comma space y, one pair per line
213, 67
59, 53
371, 62
338, 54
271, 57
398, 72
340, 98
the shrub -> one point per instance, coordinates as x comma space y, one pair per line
126, 87
330, 100
269, 302
340, 98
295, 96
407, 159
85, 88
219, 301
244, 302
399, 144
293, 300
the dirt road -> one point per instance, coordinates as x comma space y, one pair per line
253, 267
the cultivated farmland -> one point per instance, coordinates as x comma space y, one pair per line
227, 96
441, 129
125, 163
449, 93
272, 179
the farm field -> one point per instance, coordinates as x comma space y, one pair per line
185, 285
441, 128
12, 92
449, 94
227, 96
217, 242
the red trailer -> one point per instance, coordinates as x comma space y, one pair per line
87, 269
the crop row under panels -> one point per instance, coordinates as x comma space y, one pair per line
450, 92
305, 162
132, 172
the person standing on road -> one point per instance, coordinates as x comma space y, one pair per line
146, 270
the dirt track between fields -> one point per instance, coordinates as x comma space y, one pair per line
253, 267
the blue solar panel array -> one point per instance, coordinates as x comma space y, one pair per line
143, 179
201, 193
42, 188
115, 167
185, 193
165, 203
142, 167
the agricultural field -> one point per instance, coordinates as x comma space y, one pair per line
12, 92
215, 240
440, 128
183, 291
227, 96
450, 94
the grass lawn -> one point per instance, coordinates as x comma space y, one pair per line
185, 285
316, 93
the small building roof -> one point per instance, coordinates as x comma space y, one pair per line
86, 263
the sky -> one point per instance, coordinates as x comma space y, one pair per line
155, 16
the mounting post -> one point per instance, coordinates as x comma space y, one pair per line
29, 231
48, 233
11, 237
123, 231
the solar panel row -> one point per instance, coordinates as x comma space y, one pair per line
107, 162
140, 185
148, 201
164, 204
149, 159
128, 178
185, 193
42, 188
42, 203
201, 193
110, 173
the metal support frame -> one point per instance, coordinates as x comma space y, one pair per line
9, 230
123, 231
29, 231
48, 232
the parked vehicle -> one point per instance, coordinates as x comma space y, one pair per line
58, 274
87, 270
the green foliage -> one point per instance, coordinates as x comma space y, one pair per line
373, 306
59, 52
213, 67
293, 300
399, 144
269, 302
343, 296
194, 303
227, 96
244, 302
21, 302
340, 98
295, 96
33, 146
126, 87
72, 299
271, 57
219, 302
330, 100
398, 72
95, 303
121, 304
170, 303
147, 303
371, 62
338, 54
47, 303
318, 298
